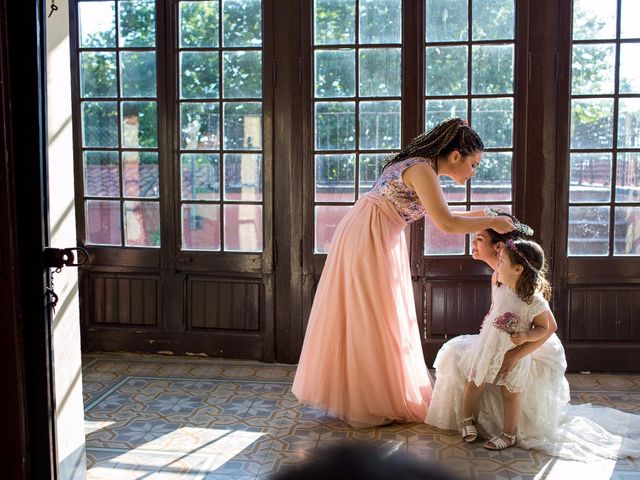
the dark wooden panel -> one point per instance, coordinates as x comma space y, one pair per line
605, 313
223, 303
119, 299
455, 308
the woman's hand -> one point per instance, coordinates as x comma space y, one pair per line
508, 362
502, 224
518, 337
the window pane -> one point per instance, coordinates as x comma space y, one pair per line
588, 231
98, 74
437, 242
379, 125
334, 21
140, 172
446, 21
200, 176
628, 177
243, 177
242, 74
241, 23
335, 178
335, 125
492, 69
142, 224
103, 222
380, 21
446, 70
243, 125
594, 19
629, 13
590, 177
452, 191
629, 123
593, 69
97, 24
200, 227
370, 169
200, 126
493, 120
199, 24
626, 232
326, 220
492, 182
494, 20
243, 228
139, 125
137, 23
592, 123
437, 111
199, 75
101, 174
99, 124
629, 78
138, 74
380, 72
335, 73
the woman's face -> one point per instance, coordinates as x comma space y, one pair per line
482, 248
464, 166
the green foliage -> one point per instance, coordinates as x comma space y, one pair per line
242, 23
199, 24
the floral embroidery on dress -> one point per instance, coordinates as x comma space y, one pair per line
391, 186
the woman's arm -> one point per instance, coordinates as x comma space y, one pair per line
424, 181
469, 213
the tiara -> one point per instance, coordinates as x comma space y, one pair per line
520, 227
512, 246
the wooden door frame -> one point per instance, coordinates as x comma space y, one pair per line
26, 340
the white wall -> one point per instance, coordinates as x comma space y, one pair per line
66, 324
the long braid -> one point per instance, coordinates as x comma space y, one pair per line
452, 134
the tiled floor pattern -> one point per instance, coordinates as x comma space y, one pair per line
154, 417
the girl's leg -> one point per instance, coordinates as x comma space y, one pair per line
470, 397
511, 402
511, 407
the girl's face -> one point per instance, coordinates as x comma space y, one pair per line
483, 249
508, 270
464, 166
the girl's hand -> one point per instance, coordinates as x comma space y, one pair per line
518, 338
509, 360
502, 224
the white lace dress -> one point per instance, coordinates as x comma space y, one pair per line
548, 421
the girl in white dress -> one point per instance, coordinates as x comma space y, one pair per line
518, 315
547, 421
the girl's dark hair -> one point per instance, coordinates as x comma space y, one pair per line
452, 134
503, 237
530, 281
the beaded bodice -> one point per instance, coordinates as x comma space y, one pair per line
391, 186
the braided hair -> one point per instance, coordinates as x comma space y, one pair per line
452, 134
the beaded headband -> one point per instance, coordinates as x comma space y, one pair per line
520, 227
512, 246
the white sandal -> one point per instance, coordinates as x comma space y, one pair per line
499, 443
469, 432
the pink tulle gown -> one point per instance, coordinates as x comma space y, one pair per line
362, 356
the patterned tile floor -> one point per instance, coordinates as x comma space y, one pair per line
155, 417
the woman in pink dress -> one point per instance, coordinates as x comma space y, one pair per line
362, 356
